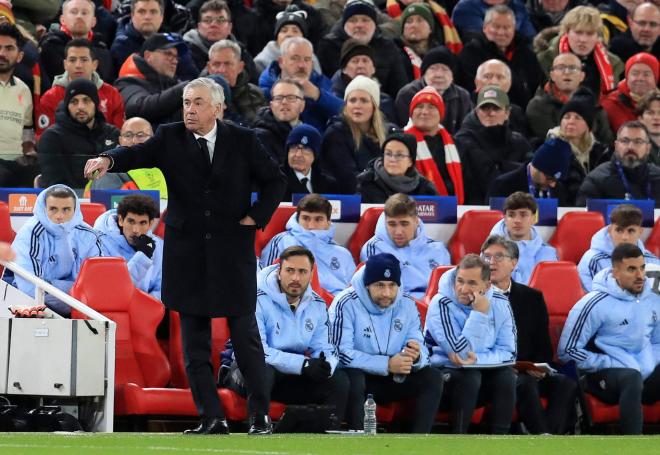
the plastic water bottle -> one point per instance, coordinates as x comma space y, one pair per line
370, 415
399, 377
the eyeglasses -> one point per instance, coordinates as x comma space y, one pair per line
139, 136
499, 257
650, 24
217, 20
395, 156
289, 98
570, 69
628, 141
168, 55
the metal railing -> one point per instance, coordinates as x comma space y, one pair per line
105, 423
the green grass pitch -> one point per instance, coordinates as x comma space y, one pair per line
158, 443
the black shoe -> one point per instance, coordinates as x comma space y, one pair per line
212, 425
260, 425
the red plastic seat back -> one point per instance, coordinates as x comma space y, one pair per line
219, 336
573, 234
561, 287
276, 225
91, 211
432, 288
364, 231
105, 285
422, 308
471, 231
7, 233
653, 242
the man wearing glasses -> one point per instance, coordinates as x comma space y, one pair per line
628, 175
533, 345
642, 34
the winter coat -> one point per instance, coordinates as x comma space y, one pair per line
374, 190
246, 98
624, 46
620, 106
321, 182
272, 133
417, 259
517, 180
270, 53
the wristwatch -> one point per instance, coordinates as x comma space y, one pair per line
105, 155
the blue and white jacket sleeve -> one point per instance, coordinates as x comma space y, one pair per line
320, 341
504, 349
284, 362
270, 252
30, 254
445, 330
585, 272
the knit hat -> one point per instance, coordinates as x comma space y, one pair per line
305, 135
367, 84
406, 139
351, 48
428, 95
222, 82
6, 10
81, 87
160, 41
291, 15
418, 9
353, 7
493, 95
553, 158
648, 60
583, 103
382, 267
439, 54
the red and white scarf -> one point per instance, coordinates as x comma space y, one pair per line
607, 83
415, 61
426, 165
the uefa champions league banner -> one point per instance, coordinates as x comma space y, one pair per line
20, 200
546, 215
110, 198
605, 206
436, 209
345, 207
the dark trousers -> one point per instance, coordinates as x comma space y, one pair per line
559, 390
297, 389
624, 386
249, 353
467, 388
424, 385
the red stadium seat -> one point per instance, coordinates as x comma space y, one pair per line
471, 231
432, 288
422, 308
276, 225
600, 413
364, 231
159, 230
572, 238
91, 211
7, 233
653, 242
561, 287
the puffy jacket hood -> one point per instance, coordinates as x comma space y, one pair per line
57, 230
268, 282
605, 282
365, 299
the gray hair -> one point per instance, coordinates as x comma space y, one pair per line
481, 67
499, 9
473, 261
215, 89
292, 41
510, 246
225, 44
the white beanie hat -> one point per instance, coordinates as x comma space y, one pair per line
367, 84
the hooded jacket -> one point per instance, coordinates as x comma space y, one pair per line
246, 98
531, 252
272, 133
110, 102
612, 328
54, 252
418, 258
289, 338
599, 257
367, 335
145, 272
334, 262
454, 327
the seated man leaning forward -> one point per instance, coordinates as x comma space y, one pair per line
377, 329
128, 235
301, 364
311, 227
54, 243
400, 232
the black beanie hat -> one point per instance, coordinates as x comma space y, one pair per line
439, 54
291, 15
406, 139
81, 87
351, 48
382, 267
583, 103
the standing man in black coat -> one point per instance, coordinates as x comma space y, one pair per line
208, 261
533, 345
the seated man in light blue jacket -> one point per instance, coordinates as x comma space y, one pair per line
311, 227
471, 333
54, 243
520, 211
377, 330
301, 363
613, 334
128, 235
625, 227
400, 232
